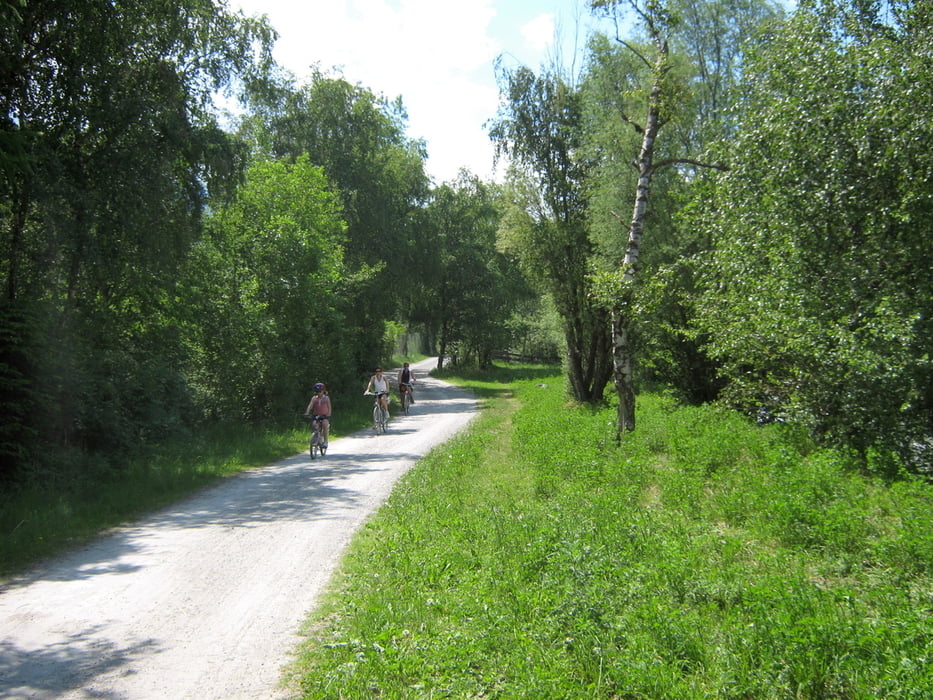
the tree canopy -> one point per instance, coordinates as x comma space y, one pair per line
162, 271
819, 293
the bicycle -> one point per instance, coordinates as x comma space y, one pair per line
405, 393
317, 441
380, 414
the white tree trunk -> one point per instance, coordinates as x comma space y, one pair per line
622, 352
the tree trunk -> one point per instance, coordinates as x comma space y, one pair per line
622, 352
622, 374
588, 349
442, 345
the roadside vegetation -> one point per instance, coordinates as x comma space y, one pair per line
705, 557
74, 502
168, 272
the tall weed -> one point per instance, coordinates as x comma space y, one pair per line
705, 557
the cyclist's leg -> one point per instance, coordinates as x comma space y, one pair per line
321, 435
325, 430
382, 412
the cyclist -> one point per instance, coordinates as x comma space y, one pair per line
406, 380
379, 385
319, 410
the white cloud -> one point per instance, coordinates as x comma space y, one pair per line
437, 54
539, 32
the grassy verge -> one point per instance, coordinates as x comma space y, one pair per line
75, 503
704, 558
54, 512
72, 505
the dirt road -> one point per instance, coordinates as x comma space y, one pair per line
204, 599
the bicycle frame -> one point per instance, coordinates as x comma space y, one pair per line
380, 414
405, 395
317, 441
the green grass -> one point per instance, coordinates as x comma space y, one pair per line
533, 558
83, 497
704, 558
74, 503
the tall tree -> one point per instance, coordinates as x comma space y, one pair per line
662, 90
265, 287
109, 150
540, 131
819, 298
358, 138
468, 287
707, 45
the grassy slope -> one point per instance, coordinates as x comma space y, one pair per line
57, 511
704, 558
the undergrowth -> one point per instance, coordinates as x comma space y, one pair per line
705, 557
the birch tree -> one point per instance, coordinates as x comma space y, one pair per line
663, 92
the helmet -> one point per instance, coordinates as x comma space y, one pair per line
318, 387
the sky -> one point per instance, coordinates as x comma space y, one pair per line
437, 55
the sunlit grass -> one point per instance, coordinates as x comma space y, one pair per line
51, 513
705, 557
532, 557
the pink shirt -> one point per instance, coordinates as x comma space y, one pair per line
320, 405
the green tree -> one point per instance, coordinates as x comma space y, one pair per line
676, 76
109, 153
819, 295
706, 42
359, 139
660, 90
468, 288
540, 130
267, 289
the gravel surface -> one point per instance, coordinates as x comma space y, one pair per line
205, 599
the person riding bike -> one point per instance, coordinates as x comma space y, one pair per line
319, 409
379, 385
406, 380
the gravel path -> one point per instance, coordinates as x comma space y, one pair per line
205, 599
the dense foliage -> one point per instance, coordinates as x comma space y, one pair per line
268, 288
160, 272
819, 296
782, 207
463, 275
110, 153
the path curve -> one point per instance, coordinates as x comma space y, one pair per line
205, 599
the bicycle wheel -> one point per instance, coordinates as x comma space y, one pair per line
406, 402
321, 444
377, 418
385, 419
314, 441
